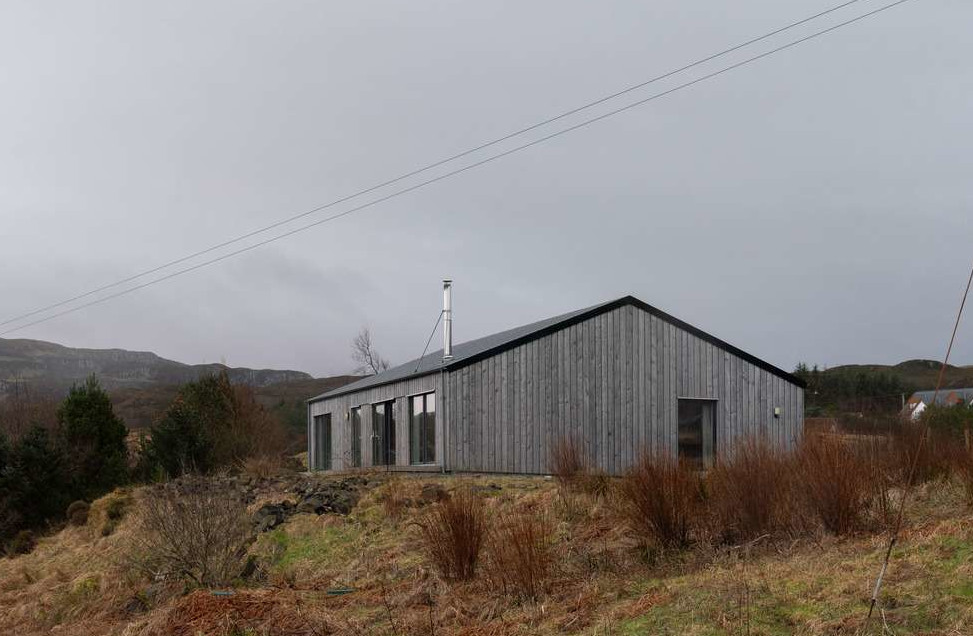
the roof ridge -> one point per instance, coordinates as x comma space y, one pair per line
471, 351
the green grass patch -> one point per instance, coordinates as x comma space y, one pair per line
332, 544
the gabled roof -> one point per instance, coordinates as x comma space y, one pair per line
945, 395
467, 353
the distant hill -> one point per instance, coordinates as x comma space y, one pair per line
917, 375
874, 388
55, 368
142, 384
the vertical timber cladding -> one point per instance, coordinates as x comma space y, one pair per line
613, 380
340, 406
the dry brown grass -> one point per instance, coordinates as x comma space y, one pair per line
963, 468
263, 466
569, 463
932, 458
753, 493
453, 532
394, 499
662, 500
836, 483
76, 583
520, 552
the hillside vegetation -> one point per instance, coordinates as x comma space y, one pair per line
367, 573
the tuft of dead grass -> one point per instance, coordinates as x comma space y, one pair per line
963, 468
452, 534
394, 498
520, 553
836, 483
263, 465
753, 493
568, 461
661, 498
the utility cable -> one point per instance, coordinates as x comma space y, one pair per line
426, 348
471, 166
427, 167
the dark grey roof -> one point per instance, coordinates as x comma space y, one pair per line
432, 362
926, 396
469, 352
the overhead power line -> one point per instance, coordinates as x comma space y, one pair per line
446, 175
427, 167
430, 166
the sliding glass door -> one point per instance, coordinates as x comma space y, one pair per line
383, 434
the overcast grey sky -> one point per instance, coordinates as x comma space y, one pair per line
815, 205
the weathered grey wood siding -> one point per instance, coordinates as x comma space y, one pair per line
614, 382
340, 406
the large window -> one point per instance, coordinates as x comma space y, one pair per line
383, 434
422, 429
322, 442
697, 433
355, 434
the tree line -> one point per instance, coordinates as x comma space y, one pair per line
833, 391
78, 450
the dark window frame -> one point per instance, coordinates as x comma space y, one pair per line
422, 429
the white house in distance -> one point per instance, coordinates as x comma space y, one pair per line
916, 404
619, 377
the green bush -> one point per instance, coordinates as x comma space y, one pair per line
98, 460
35, 485
211, 424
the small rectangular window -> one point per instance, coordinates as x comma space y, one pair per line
697, 433
355, 434
322, 442
422, 428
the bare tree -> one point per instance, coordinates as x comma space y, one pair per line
363, 352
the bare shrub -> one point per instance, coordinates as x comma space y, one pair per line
263, 465
836, 483
520, 553
752, 492
25, 406
568, 461
394, 498
250, 431
661, 499
597, 483
963, 468
930, 452
193, 530
452, 534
